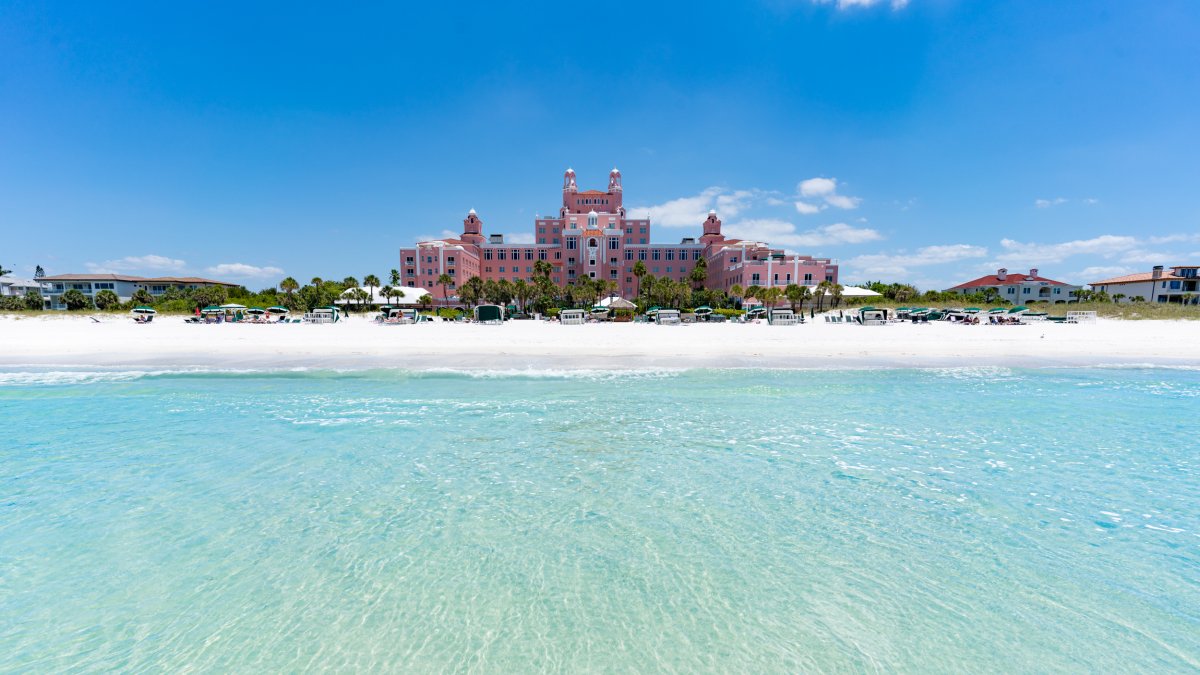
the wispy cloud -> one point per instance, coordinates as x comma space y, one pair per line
1047, 203
518, 238
1099, 272
681, 212
813, 191
244, 271
783, 233
144, 263
899, 264
849, 4
1030, 253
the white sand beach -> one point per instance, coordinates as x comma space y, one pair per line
77, 341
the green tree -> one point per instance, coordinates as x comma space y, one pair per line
38, 272
348, 283
142, 297
33, 300
471, 291
522, 290
75, 299
386, 292
445, 281
371, 281
542, 268
289, 286
394, 278
106, 299
317, 281
796, 295
835, 292
207, 295
699, 274
639, 271
4, 272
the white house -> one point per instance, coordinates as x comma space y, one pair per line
1020, 289
121, 284
1154, 286
12, 286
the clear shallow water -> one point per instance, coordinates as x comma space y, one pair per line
938, 520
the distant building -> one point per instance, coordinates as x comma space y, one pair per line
123, 285
12, 286
593, 237
1153, 286
1020, 289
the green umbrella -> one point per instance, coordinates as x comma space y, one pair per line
1018, 309
972, 310
996, 310
868, 308
702, 310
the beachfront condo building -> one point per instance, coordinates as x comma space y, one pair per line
1181, 284
1020, 289
593, 237
122, 284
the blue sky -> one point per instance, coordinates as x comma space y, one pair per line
927, 141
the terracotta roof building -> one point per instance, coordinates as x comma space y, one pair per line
1157, 285
1020, 289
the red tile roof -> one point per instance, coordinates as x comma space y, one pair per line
1009, 280
1133, 278
592, 193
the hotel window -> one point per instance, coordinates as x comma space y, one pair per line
1057, 291
1025, 291
529, 254
670, 255
642, 241
612, 243
656, 254
408, 260
558, 255
1174, 285
570, 261
529, 270
787, 278
541, 255
79, 287
592, 220
502, 269
592, 243
696, 254
629, 230
612, 274
571, 243
775, 278
450, 260
754, 278
668, 269
571, 274
410, 273
642, 255
828, 277
807, 278
655, 270
488, 270
555, 241
683, 270
487, 254
1010, 291
629, 255
103, 286
541, 240
541, 230
642, 230
501, 254
592, 275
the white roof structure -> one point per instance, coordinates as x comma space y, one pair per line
616, 303
412, 296
856, 292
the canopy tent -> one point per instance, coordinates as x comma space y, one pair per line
702, 310
997, 310
599, 309
972, 310
256, 311
1018, 309
143, 309
233, 305
617, 303
275, 309
653, 310
489, 314
212, 309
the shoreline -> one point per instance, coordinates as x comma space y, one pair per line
358, 344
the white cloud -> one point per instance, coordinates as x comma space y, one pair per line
848, 4
1020, 253
144, 263
1047, 203
826, 190
1098, 272
446, 234
1090, 201
518, 238
898, 264
244, 271
782, 233
733, 203
817, 187
681, 212
842, 201
1173, 238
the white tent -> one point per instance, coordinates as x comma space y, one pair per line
616, 303
412, 296
855, 292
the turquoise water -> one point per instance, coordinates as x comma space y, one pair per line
730, 521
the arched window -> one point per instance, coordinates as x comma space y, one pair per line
592, 242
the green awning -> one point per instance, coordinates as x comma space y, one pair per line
996, 310
868, 308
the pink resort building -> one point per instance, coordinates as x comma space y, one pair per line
592, 237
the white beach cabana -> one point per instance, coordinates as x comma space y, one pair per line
412, 296
572, 317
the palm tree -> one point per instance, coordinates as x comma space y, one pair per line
835, 291
796, 295
3, 271
289, 286
386, 291
371, 281
445, 280
523, 290
639, 271
542, 268
349, 282
821, 289
699, 274
317, 281
394, 278
736, 291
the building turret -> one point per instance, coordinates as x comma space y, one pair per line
614, 180
472, 228
712, 228
569, 181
